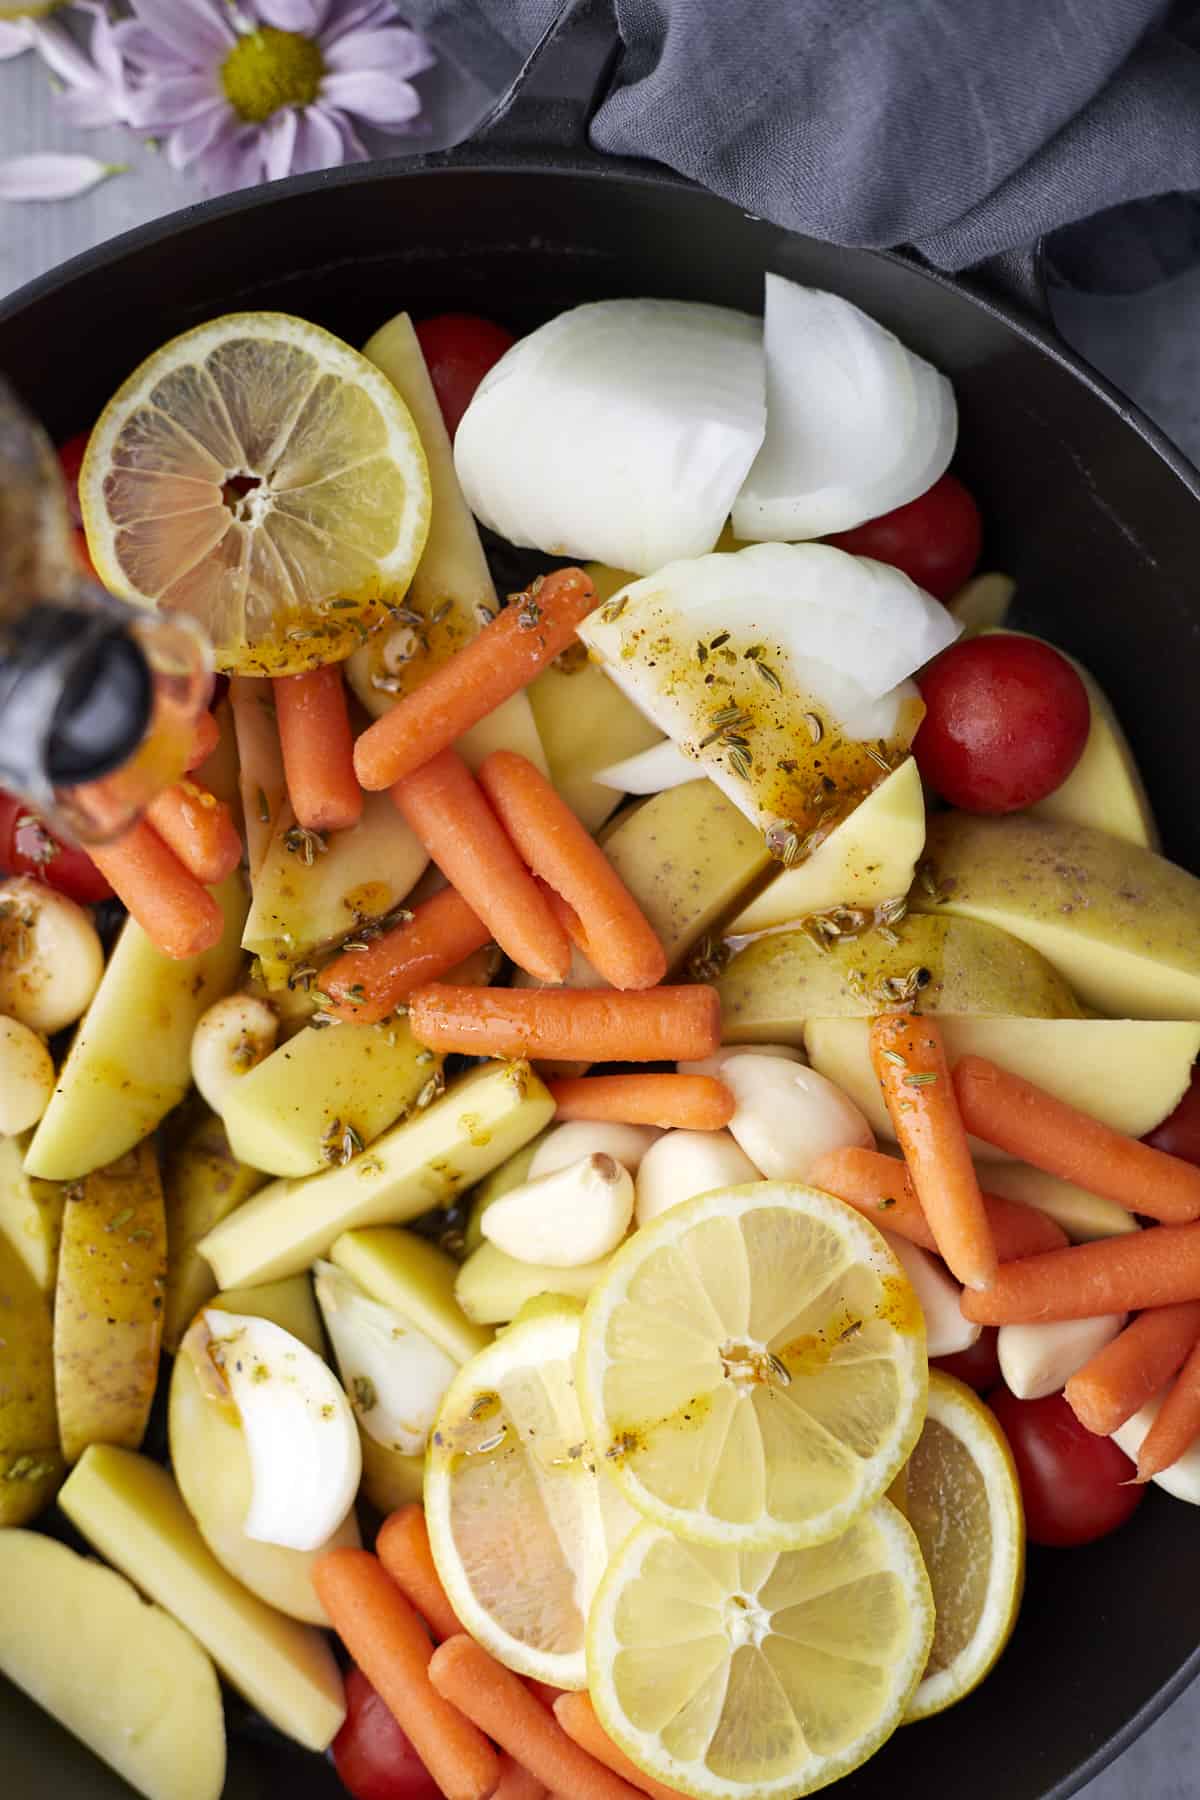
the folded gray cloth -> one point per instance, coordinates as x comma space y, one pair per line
959, 127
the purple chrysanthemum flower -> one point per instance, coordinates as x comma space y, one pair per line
250, 90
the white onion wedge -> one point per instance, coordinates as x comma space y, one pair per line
619, 432
857, 424
804, 644
652, 771
395, 1376
301, 1439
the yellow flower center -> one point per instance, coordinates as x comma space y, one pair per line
267, 69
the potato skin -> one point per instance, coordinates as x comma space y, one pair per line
31, 1465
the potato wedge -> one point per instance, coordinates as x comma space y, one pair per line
203, 1182
414, 1278
31, 1213
492, 1287
31, 1463
122, 1675
108, 1306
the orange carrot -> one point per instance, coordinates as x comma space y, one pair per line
557, 847
1133, 1366
1013, 1114
389, 1643
175, 911
517, 1783
206, 735
881, 1188
199, 828
545, 1693
527, 634
318, 749
565, 913
500, 1704
1177, 1424
364, 986
403, 1548
446, 808
577, 1716
668, 1024
909, 1058
1117, 1274
692, 1102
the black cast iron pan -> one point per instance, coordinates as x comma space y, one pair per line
1096, 514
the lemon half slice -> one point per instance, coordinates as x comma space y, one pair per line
963, 1500
264, 477
737, 1675
520, 1523
753, 1367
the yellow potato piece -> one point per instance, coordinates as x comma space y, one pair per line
130, 1510
203, 1182
108, 1305
123, 1676
31, 1464
492, 1286
414, 1278
30, 1213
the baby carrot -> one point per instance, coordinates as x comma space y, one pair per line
364, 986
1133, 1366
1013, 1114
1177, 1425
569, 1024
524, 636
446, 808
403, 1548
880, 1187
909, 1058
557, 847
206, 735
1119, 1274
577, 1716
178, 914
199, 829
692, 1102
391, 1646
545, 1693
318, 749
500, 1704
517, 1783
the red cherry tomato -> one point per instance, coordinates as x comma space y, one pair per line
1179, 1135
935, 539
1006, 721
459, 349
979, 1366
1076, 1486
373, 1757
27, 847
70, 461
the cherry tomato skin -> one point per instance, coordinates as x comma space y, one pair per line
979, 1366
27, 847
372, 1755
70, 461
459, 349
1076, 1487
1179, 1135
935, 539
1006, 721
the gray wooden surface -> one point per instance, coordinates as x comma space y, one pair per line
1149, 345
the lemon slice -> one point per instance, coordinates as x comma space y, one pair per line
963, 1501
753, 1366
742, 1674
262, 476
519, 1522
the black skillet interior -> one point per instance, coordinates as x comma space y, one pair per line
1085, 505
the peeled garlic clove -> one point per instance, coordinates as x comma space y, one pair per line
575, 1215
1183, 1477
712, 1065
301, 1438
1036, 1360
946, 1331
565, 1144
788, 1115
685, 1163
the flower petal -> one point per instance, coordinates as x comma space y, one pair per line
374, 95
234, 160
278, 142
199, 134
356, 15
48, 176
162, 105
307, 16
198, 30
320, 142
15, 38
87, 108
138, 45
397, 50
104, 48
63, 56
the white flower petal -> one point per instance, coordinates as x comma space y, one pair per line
194, 29
15, 38
374, 95
307, 16
319, 142
279, 141
59, 51
164, 105
359, 15
52, 177
88, 107
200, 134
397, 51
138, 45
